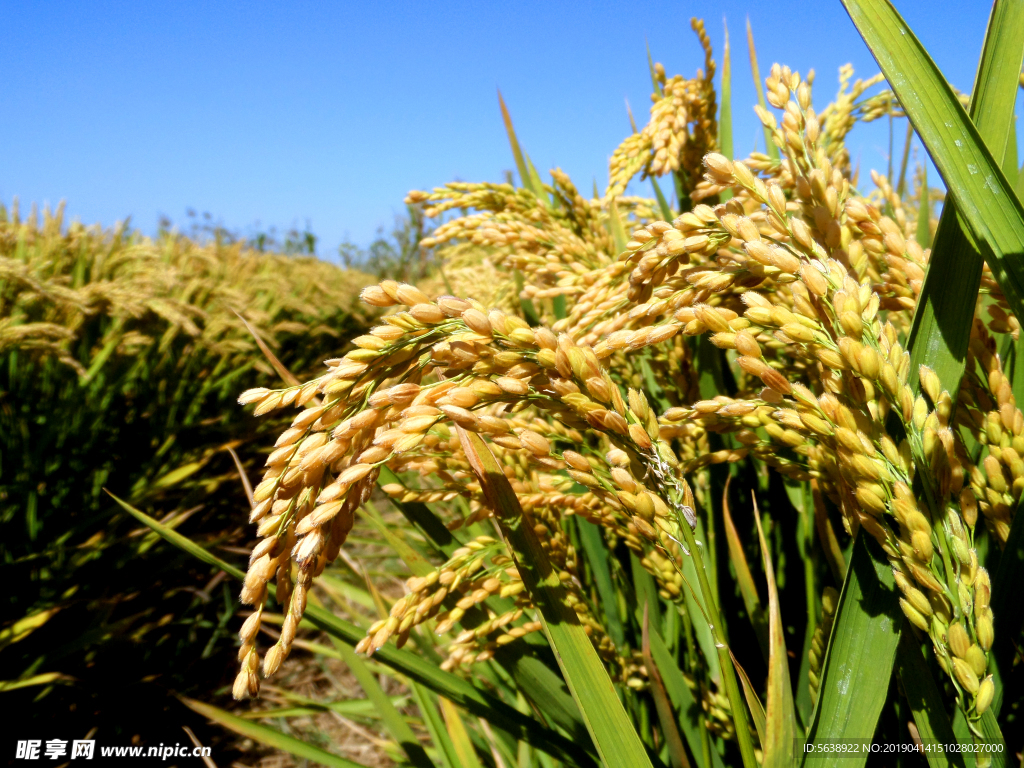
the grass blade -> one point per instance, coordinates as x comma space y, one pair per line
389, 715
715, 624
618, 232
537, 184
926, 702
614, 736
977, 187
427, 703
654, 77
770, 149
680, 695
725, 108
669, 727
924, 235
780, 719
663, 206
597, 554
517, 153
47, 678
270, 737
744, 578
757, 712
461, 743
545, 686
858, 664
908, 142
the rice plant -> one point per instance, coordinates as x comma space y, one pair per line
712, 478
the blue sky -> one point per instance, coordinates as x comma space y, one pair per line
275, 114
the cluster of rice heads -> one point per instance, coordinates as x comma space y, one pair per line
763, 327
119, 356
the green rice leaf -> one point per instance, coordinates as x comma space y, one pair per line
990, 734
780, 718
901, 184
744, 578
517, 153
428, 704
545, 686
459, 735
979, 193
47, 678
392, 719
614, 735
662, 704
690, 716
537, 184
725, 108
757, 712
615, 227
264, 734
421, 516
926, 702
858, 663
663, 207
770, 149
654, 78
597, 555
924, 235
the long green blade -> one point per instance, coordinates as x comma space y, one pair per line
725, 108
428, 703
770, 149
926, 702
461, 742
745, 579
923, 235
780, 715
412, 666
942, 323
416, 562
389, 714
662, 703
757, 713
982, 196
858, 664
517, 153
597, 555
420, 515
679, 694
613, 733
264, 734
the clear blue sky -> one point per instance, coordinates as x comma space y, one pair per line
272, 114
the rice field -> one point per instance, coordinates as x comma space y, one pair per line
723, 476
